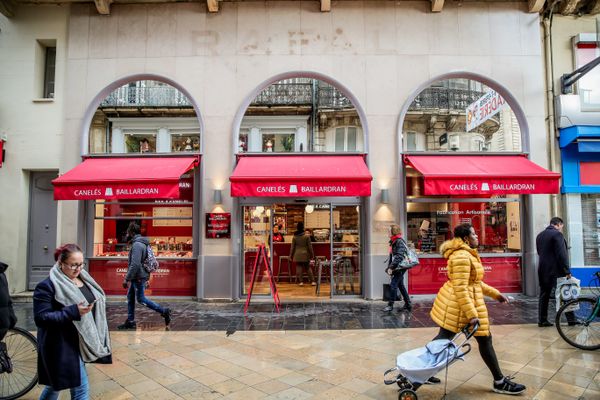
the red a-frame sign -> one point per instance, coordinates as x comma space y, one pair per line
261, 257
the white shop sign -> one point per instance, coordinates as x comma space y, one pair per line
483, 109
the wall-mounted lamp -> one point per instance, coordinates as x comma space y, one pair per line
385, 196
218, 196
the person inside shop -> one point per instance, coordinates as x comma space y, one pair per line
137, 278
460, 302
311, 235
69, 310
277, 236
301, 252
8, 319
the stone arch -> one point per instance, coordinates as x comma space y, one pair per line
100, 96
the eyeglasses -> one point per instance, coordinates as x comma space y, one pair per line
75, 267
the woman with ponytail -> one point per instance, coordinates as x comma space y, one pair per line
70, 312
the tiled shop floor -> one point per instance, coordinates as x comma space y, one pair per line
322, 315
328, 364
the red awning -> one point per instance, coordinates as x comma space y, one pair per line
300, 176
467, 175
123, 178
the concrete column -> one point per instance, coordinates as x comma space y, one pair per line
117, 143
301, 142
163, 141
574, 225
254, 140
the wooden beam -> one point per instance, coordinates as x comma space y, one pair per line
437, 5
103, 6
535, 6
7, 8
325, 5
213, 5
569, 7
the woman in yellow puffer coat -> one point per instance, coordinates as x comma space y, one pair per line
460, 301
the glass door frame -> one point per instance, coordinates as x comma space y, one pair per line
268, 203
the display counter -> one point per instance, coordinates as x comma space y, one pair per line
503, 273
174, 277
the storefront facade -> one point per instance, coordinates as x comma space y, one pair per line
221, 62
577, 126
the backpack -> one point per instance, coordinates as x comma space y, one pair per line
150, 262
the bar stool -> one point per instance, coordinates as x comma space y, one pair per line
288, 265
347, 274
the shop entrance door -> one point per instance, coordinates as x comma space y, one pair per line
346, 272
42, 227
335, 238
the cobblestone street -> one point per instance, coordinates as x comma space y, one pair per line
314, 351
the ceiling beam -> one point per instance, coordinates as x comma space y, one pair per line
437, 5
7, 8
213, 5
103, 6
325, 5
569, 7
535, 6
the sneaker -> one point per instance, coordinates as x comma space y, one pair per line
407, 307
301, 284
167, 316
128, 325
545, 324
433, 381
388, 309
313, 284
509, 387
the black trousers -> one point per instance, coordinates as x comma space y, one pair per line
3, 333
398, 283
544, 301
486, 350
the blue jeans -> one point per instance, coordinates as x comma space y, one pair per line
136, 292
81, 392
398, 283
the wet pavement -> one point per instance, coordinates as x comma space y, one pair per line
332, 315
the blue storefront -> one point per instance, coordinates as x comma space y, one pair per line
580, 152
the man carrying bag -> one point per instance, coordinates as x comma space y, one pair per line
401, 259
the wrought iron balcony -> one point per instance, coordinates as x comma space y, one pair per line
439, 98
147, 96
301, 94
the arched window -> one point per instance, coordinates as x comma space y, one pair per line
460, 115
301, 114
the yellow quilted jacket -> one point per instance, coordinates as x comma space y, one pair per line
461, 297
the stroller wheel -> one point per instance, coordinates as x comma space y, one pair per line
407, 394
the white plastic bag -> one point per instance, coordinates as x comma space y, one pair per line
567, 289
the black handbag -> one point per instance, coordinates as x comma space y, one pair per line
388, 295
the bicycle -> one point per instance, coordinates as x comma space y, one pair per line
578, 320
19, 371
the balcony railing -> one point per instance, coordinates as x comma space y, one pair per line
148, 96
301, 94
436, 98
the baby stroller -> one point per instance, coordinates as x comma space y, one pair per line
414, 367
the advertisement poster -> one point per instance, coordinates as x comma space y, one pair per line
218, 225
483, 109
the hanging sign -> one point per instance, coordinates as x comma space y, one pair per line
218, 225
483, 109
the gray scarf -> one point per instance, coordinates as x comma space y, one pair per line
94, 340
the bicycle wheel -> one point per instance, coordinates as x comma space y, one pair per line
578, 323
22, 350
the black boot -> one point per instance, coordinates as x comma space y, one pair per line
167, 316
128, 325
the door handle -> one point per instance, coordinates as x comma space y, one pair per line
46, 248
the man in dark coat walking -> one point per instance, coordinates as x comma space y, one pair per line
8, 319
553, 263
137, 278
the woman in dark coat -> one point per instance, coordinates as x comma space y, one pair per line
301, 253
70, 313
8, 319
